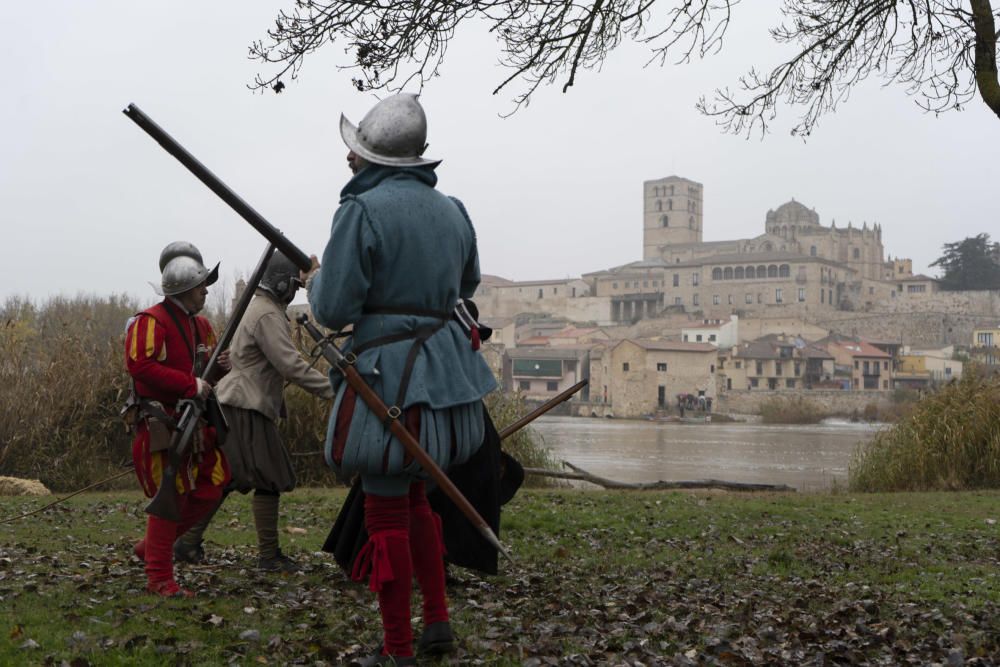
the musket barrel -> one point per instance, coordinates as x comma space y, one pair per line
543, 408
214, 184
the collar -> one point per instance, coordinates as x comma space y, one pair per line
373, 174
180, 306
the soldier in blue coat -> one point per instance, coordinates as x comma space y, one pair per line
400, 257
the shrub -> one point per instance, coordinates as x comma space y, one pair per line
951, 440
62, 382
791, 410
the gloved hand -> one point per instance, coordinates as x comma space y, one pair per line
204, 389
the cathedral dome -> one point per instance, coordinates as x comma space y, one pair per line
793, 212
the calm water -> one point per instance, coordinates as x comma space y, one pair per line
808, 458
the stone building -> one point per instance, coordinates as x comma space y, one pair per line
775, 362
796, 264
638, 377
869, 368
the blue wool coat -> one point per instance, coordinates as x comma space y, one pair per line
398, 243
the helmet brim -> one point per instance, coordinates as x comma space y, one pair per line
213, 275
349, 133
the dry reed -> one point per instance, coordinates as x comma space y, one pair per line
950, 441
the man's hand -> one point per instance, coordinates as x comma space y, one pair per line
305, 275
223, 361
204, 389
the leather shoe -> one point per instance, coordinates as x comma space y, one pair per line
280, 563
436, 639
188, 553
168, 589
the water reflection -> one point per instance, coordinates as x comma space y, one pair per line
808, 457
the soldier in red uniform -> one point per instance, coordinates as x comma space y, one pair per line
166, 348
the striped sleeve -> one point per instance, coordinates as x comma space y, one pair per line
144, 340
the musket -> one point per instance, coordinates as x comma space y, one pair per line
299, 258
390, 416
542, 409
164, 503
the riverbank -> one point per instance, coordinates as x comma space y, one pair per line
599, 578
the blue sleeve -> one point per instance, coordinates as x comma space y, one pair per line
470, 272
340, 287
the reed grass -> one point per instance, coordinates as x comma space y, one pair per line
63, 382
950, 441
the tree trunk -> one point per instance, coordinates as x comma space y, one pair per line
986, 54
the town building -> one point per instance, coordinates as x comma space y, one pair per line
865, 367
639, 377
776, 362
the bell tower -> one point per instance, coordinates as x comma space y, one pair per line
671, 214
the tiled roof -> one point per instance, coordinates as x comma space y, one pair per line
672, 345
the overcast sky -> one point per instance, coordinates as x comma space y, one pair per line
88, 200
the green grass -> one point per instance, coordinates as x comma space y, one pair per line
607, 577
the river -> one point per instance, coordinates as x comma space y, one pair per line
808, 457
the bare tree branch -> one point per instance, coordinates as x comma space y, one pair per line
942, 51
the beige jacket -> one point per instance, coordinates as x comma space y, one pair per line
263, 357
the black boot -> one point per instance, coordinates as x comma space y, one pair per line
188, 553
436, 639
280, 563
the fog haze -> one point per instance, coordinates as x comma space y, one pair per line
554, 191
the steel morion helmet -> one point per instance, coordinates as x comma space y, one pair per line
281, 277
393, 133
182, 268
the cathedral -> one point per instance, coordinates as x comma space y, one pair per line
796, 262
796, 267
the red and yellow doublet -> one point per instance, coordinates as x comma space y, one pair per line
160, 349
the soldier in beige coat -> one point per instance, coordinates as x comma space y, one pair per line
263, 360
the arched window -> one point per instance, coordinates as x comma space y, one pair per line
750, 273
772, 271
812, 251
857, 253
671, 191
716, 273
659, 205
738, 273
727, 273
691, 222
784, 232
784, 271
670, 204
761, 271
664, 221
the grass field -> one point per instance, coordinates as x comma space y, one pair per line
601, 578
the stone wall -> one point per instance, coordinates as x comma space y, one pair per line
916, 328
834, 401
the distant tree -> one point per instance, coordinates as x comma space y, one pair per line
970, 264
943, 51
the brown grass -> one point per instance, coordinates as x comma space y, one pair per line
63, 382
